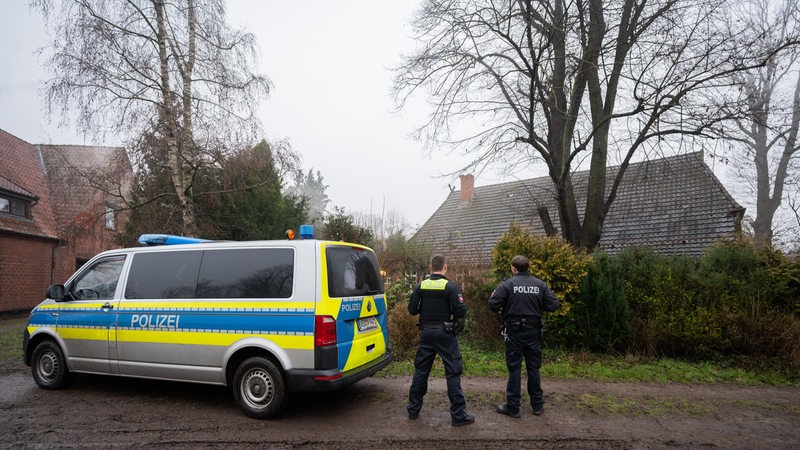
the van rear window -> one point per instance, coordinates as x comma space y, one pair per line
352, 272
228, 273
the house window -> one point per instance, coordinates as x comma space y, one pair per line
14, 206
111, 219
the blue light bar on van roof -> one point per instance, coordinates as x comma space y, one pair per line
168, 239
306, 232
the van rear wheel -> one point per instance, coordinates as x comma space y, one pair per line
48, 366
259, 387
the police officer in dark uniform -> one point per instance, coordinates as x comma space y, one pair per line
522, 298
439, 304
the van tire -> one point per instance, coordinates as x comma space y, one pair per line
259, 387
49, 367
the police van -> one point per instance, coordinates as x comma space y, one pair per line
264, 317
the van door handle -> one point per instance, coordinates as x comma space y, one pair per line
107, 306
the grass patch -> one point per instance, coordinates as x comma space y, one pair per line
11, 339
605, 405
480, 362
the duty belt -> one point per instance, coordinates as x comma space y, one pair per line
519, 323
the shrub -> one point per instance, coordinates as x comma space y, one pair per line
555, 262
739, 276
399, 291
771, 342
602, 310
403, 331
735, 301
669, 316
483, 325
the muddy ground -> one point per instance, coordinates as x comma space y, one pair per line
111, 412
104, 412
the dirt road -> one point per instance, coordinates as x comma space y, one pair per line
106, 412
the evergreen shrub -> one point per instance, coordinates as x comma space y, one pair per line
601, 312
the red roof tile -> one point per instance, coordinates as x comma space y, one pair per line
22, 167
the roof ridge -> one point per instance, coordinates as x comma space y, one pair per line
580, 173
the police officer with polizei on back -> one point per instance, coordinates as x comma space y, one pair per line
522, 299
440, 305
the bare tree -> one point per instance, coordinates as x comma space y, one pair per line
173, 68
516, 82
768, 99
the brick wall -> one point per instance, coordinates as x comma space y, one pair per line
25, 272
28, 266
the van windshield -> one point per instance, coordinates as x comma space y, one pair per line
352, 272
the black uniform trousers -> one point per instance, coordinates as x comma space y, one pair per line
433, 340
523, 344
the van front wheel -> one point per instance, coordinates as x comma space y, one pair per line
48, 366
259, 387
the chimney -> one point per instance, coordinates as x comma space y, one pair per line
467, 187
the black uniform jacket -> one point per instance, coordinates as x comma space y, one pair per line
523, 295
435, 299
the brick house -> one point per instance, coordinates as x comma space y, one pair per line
51, 219
675, 205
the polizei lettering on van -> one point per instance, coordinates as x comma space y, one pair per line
526, 289
155, 321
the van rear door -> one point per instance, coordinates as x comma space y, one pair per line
353, 294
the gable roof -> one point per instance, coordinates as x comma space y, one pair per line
674, 205
22, 173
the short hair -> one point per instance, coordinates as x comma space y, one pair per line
520, 263
437, 263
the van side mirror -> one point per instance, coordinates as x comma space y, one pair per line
56, 292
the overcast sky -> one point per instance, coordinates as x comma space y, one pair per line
330, 63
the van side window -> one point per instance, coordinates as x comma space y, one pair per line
352, 272
99, 282
247, 273
163, 275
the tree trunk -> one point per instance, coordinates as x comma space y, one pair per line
176, 137
769, 189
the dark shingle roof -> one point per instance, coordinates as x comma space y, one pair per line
674, 205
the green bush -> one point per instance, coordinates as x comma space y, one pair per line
403, 330
399, 291
482, 325
668, 316
555, 262
601, 311
738, 276
734, 302
772, 342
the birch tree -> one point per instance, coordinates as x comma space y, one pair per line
175, 69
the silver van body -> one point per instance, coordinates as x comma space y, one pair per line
266, 317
